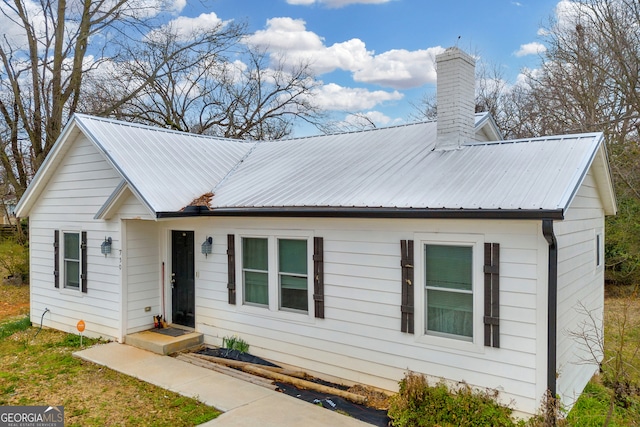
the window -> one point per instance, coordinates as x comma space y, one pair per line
449, 291
255, 271
292, 274
598, 250
275, 272
71, 260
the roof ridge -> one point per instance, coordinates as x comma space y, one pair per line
82, 116
585, 135
422, 122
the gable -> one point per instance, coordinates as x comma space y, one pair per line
81, 182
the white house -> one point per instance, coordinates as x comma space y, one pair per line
434, 247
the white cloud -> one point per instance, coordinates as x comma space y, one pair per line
543, 32
335, 3
533, 48
286, 34
186, 27
376, 117
398, 69
335, 97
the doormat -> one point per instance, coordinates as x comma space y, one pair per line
172, 332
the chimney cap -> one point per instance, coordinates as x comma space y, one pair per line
454, 52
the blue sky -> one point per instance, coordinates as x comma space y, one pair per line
375, 56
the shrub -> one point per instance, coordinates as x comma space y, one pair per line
235, 343
419, 404
14, 259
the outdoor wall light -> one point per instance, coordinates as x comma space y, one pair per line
207, 246
105, 247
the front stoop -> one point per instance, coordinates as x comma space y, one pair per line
163, 344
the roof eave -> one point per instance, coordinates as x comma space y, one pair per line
370, 212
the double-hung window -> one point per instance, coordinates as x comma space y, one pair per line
255, 270
449, 300
275, 273
292, 274
71, 260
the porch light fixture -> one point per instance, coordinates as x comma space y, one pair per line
207, 246
105, 247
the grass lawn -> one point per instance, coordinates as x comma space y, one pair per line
40, 370
622, 320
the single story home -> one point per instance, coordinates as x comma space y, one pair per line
435, 247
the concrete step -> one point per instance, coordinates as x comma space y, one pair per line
156, 342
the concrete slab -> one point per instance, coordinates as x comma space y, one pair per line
243, 403
280, 410
164, 344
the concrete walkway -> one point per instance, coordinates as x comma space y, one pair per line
243, 403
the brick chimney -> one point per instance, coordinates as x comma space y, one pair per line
455, 98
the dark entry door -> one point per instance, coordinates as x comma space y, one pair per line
182, 278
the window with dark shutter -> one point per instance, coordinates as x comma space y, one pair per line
231, 268
56, 258
83, 249
407, 307
492, 295
318, 277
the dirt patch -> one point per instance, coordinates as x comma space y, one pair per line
14, 301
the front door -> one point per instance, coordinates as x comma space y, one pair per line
182, 278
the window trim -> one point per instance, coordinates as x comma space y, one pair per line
63, 262
599, 249
253, 270
476, 242
273, 308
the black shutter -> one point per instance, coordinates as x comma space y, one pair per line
492, 295
318, 277
56, 258
406, 309
83, 255
231, 268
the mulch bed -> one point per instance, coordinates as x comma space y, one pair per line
368, 414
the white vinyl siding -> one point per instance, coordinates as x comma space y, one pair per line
580, 288
360, 337
82, 183
143, 274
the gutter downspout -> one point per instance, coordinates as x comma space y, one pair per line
552, 304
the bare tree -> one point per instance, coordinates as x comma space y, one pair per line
200, 89
42, 68
506, 103
589, 81
50, 49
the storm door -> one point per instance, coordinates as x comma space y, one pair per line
182, 278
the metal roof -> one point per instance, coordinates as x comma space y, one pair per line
397, 168
167, 169
385, 170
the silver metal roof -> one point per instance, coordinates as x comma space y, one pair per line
388, 168
397, 168
167, 169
